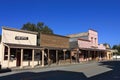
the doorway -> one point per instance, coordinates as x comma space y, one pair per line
18, 62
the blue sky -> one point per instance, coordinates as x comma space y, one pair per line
66, 16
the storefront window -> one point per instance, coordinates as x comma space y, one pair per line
12, 54
38, 56
27, 54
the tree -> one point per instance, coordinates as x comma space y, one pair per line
107, 45
117, 47
40, 27
46, 30
29, 26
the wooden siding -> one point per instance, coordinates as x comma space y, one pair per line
57, 41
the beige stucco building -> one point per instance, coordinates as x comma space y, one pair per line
16, 48
15, 36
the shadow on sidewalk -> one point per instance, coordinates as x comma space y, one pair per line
5, 70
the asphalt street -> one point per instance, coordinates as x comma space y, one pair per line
107, 70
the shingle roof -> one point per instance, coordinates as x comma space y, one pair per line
78, 35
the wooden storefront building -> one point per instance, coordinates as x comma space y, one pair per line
19, 48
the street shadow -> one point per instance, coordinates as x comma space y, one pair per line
113, 74
5, 70
49, 75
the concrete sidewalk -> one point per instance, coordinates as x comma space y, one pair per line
50, 66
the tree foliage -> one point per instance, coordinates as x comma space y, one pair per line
40, 27
117, 47
29, 26
107, 45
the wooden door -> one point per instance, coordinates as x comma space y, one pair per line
18, 62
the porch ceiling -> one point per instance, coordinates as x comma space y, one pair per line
54, 48
92, 49
21, 46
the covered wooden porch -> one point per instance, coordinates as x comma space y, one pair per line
57, 56
16, 55
88, 54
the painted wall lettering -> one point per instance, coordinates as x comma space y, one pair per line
21, 38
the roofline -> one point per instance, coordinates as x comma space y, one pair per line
22, 46
93, 49
93, 30
84, 39
56, 35
24, 31
57, 48
77, 33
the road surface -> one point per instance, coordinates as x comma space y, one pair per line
107, 70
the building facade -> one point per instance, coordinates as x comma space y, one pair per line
19, 48
56, 48
85, 47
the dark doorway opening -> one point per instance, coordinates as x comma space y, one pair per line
18, 61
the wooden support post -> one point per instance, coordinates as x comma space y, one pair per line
21, 66
48, 57
8, 56
94, 55
64, 50
88, 55
43, 57
70, 57
56, 56
100, 55
33, 58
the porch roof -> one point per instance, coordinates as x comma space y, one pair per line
92, 49
55, 48
22, 46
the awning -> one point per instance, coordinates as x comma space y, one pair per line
92, 49
22, 46
54, 48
